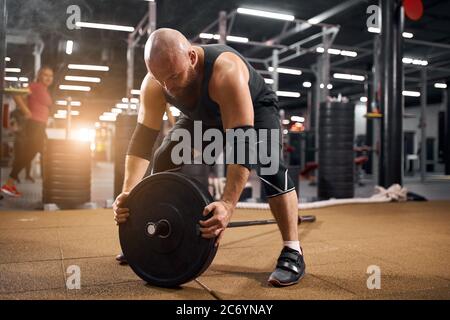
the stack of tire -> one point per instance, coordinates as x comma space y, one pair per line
66, 173
125, 125
336, 135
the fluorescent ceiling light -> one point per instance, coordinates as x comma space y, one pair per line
440, 85
13, 70
268, 81
23, 79
107, 118
64, 103
329, 86
417, 62
82, 79
104, 26
116, 110
287, 71
286, 121
69, 47
297, 119
266, 14
346, 53
7, 59
322, 86
125, 106
363, 99
74, 88
210, 36
132, 100
307, 84
411, 93
289, 94
87, 67
345, 76
136, 92
407, 35
11, 79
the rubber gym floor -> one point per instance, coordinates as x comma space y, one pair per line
409, 242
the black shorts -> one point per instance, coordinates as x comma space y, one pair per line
264, 118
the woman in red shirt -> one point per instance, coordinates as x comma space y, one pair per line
36, 110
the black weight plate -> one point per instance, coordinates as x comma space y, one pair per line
184, 254
60, 170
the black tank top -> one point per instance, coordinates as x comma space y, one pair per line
208, 111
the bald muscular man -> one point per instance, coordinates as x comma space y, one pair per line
216, 85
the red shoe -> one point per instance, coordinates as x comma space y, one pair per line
11, 191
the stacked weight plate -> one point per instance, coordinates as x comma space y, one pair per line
67, 173
336, 134
125, 124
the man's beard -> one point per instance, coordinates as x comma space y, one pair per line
191, 87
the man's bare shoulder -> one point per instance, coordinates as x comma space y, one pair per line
228, 69
151, 88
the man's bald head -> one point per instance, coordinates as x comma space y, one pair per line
166, 46
172, 61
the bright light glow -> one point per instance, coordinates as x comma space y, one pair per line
11, 79
7, 59
268, 81
104, 26
136, 92
116, 110
286, 121
13, 70
85, 134
74, 88
25, 85
125, 106
345, 76
348, 53
72, 113
407, 60
322, 86
440, 85
417, 62
165, 117
175, 111
334, 51
69, 47
287, 71
297, 119
82, 79
329, 86
107, 118
237, 39
289, 94
363, 99
210, 36
132, 100
407, 35
285, 131
23, 79
411, 93
64, 103
87, 67
266, 14
313, 21
59, 116
307, 84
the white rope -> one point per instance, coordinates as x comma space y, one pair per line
393, 193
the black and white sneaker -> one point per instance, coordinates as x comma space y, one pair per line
289, 270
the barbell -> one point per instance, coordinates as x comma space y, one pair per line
161, 239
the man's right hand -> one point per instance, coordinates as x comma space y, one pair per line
121, 214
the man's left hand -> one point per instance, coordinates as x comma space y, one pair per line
215, 226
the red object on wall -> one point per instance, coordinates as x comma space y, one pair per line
413, 9
5, 120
